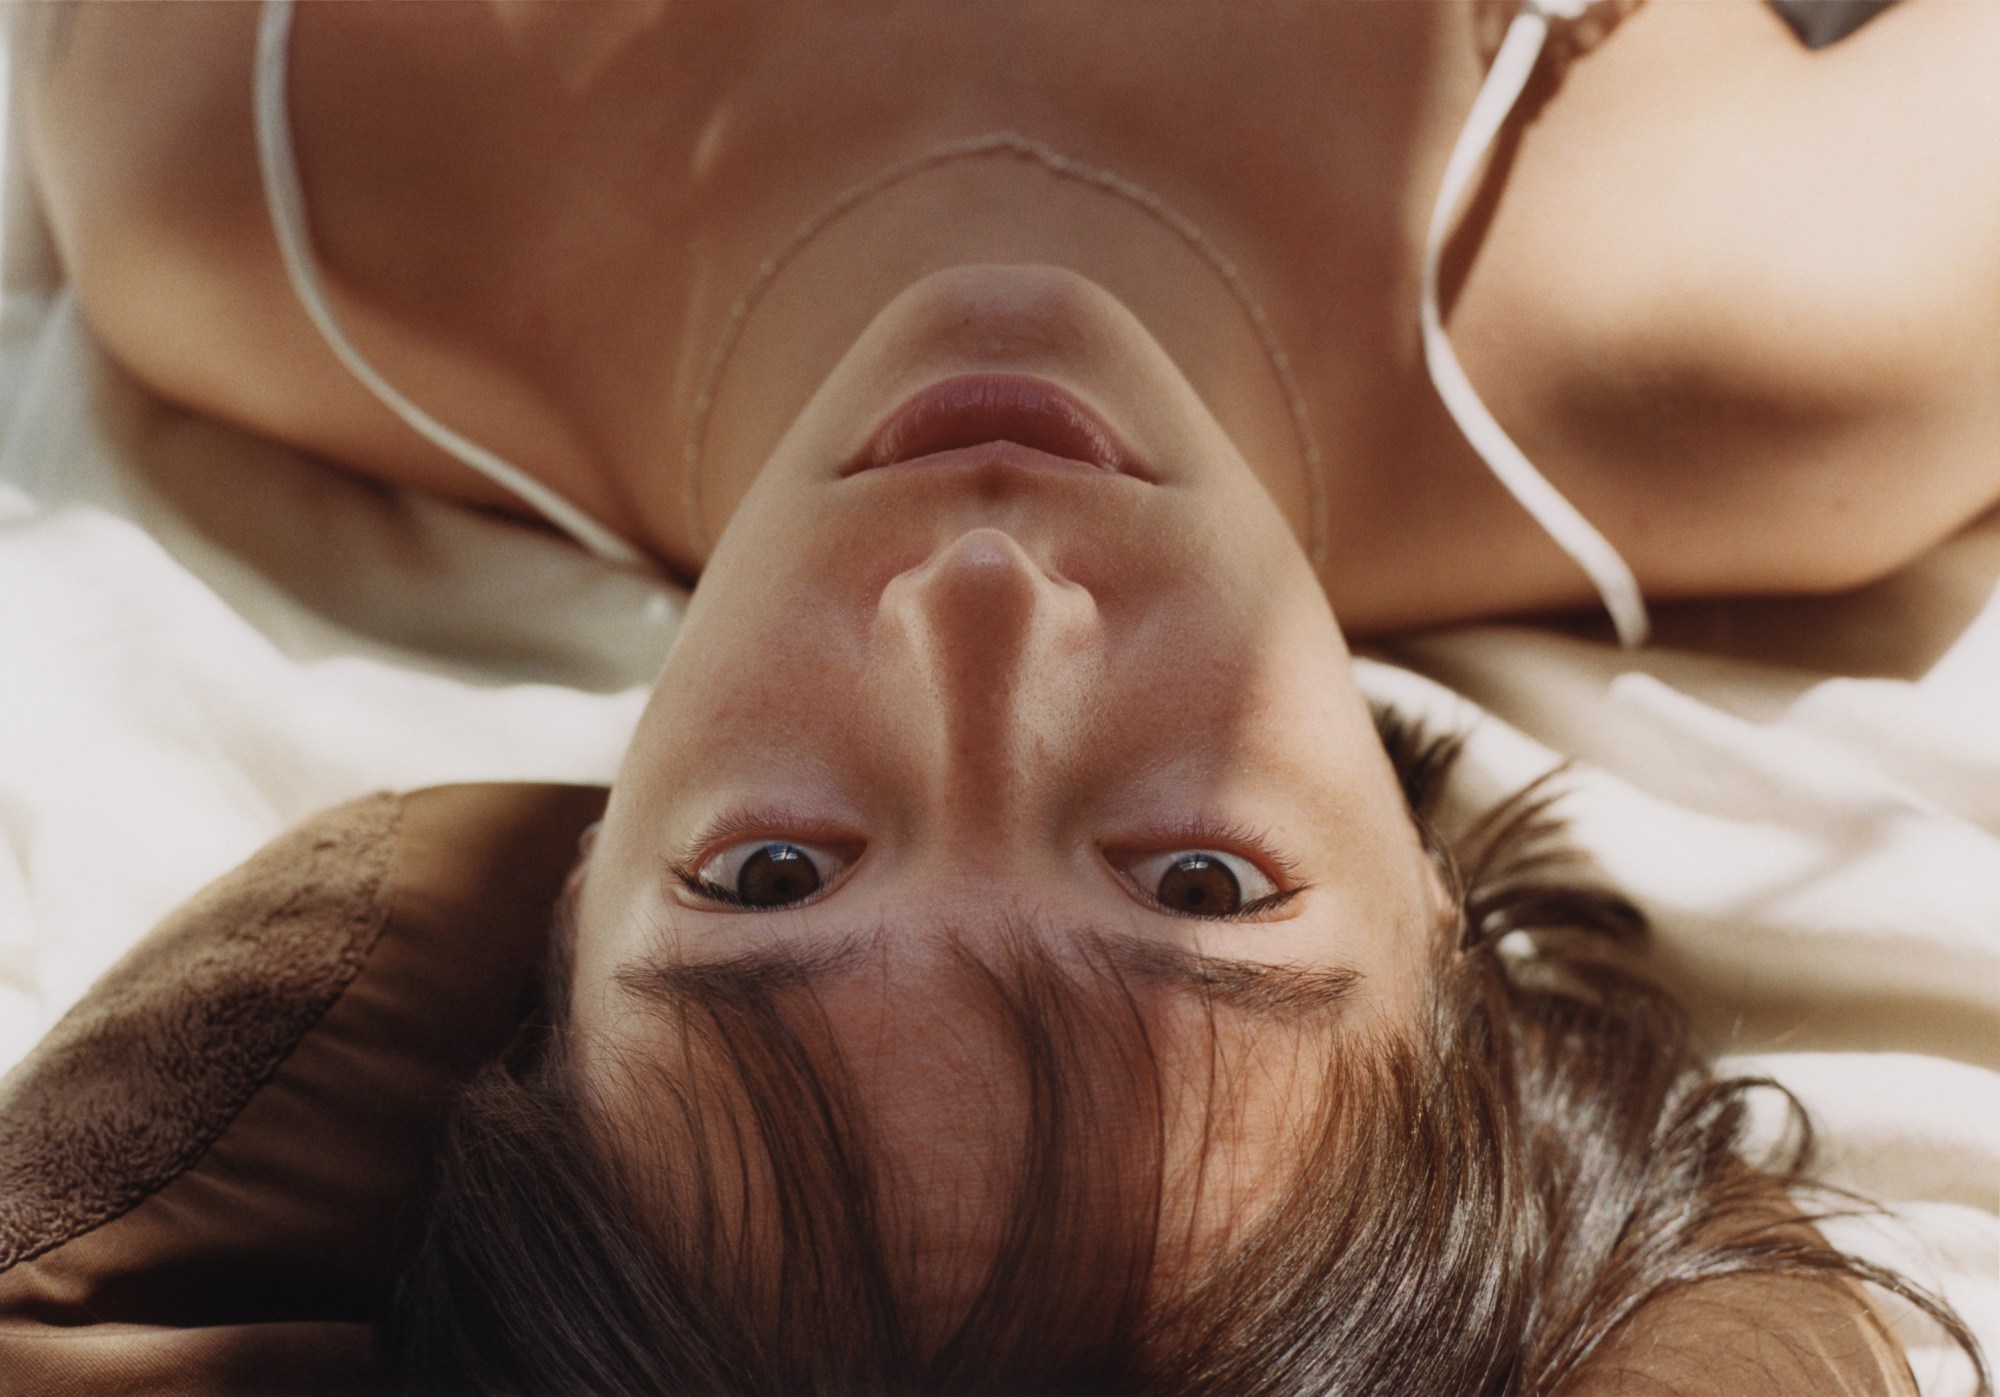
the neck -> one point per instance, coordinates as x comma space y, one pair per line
992, 199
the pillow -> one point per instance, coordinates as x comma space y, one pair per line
204, 1167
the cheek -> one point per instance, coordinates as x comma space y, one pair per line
755, 661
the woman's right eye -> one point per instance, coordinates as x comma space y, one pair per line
1203, 883
763, 874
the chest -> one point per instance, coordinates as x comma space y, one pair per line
1698, 245
1695, 208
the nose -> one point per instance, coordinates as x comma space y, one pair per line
986, 664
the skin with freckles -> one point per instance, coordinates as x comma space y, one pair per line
1735, 298
986, 695
991, 687
970, 700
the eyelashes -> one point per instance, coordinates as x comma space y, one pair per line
761, 875
1198, 833
1199, 870
1209, 871
766, 872
1188, 889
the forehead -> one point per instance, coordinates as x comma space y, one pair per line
1042, 1087
951, 1054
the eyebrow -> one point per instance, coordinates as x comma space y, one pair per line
659, 978
1256, 986
1245, 984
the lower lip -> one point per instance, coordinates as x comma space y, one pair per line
1008, 420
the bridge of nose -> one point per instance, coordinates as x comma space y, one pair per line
986, 664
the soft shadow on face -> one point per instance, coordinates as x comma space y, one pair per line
983, 695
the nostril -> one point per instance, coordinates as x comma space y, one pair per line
985, 593
990, 554
985, 559
988, 548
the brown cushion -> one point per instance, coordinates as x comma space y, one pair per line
205, 1165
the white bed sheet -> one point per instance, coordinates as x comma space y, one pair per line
204, 637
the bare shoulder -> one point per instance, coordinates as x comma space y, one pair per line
1769, 284
1758, 1336
408, 124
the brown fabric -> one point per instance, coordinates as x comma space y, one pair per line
203, 1169
139, 1078
240, 1243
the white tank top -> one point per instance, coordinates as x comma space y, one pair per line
1497, 97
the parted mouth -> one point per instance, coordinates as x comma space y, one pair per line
1025, 421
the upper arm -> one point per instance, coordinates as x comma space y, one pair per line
1750, 1336
1743, 299
1878, 349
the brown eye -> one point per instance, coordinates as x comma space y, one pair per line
765, 874
1201, 882
776, 874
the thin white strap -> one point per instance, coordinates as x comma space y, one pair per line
286, 198
1572, 533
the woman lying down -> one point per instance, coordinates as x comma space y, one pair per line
1014, 958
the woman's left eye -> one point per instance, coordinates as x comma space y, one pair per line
763, 873
1203, 882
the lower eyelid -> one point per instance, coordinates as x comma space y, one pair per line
715, 894
1252, 910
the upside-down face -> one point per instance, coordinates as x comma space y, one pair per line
1005, 635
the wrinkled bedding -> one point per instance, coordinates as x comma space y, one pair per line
205, 637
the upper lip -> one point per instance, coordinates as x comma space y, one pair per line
972, 410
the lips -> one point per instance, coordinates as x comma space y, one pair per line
1031, 422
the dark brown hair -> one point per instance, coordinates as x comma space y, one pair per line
1480, 1208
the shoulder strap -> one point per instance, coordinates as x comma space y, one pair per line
1575, 535
285, 196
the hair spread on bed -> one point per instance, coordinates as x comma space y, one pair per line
1483, 1208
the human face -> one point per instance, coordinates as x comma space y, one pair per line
990, 688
